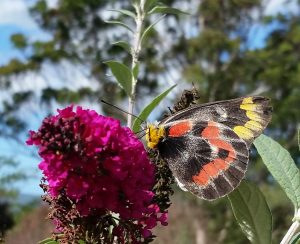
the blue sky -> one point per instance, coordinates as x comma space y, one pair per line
14, 17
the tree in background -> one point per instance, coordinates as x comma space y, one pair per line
220, 58
214, 53
8, 193
6, 220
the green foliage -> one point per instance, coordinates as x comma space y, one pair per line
215, 55
21, 97
6, 220
65, 95
7, 179
48, 241
252, 213
122, 74
16, 67
296, 239
125, 12
147, 31
19, 41
126, 78
221, 223
115, 22
161, 9
149, 4
8, 193
281, 165
41, 6
48, 51
125, 45
201, 55
51, 241
149, 108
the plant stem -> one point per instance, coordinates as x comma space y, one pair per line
135, 51
292, 230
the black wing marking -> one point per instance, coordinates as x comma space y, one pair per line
247, 116
213, 153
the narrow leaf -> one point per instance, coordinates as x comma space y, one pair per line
166, 10
148, 109
124, 11
125, 45
150, 27
123, 75
119, 23
281, 165
252, 213
48, 241
149, 4
296, 239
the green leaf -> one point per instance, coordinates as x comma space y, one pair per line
252, 213
148, 109
166, 10
281, 165
135, 71
124, 11
119, 23
150, 27
149, 4
123, 75
125, 45
296, 239
48, 241
299, 136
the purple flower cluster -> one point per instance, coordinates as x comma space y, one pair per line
99, 165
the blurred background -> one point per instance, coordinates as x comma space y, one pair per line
52, 53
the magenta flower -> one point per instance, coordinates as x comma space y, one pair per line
100, 166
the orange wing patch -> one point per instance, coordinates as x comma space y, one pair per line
212, 169
213, 135
202, 178
220, 164
180, 128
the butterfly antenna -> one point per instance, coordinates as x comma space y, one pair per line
107, 103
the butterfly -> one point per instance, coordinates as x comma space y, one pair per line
207, 145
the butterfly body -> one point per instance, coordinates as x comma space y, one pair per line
207, 146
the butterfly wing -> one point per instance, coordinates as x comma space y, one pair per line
247, 116
207, 158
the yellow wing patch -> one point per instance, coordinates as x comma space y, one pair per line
255, 112
251, 124
243, 132
253, 116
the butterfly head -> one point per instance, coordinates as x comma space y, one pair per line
154, 134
